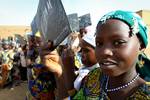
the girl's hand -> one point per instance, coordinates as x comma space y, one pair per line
52, 61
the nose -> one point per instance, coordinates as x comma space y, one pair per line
105, 51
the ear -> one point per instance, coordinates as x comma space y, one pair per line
141, 48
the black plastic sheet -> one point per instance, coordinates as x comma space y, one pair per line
85, 21
34, 27
74, 22
52, 21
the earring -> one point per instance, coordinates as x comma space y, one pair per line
140, 60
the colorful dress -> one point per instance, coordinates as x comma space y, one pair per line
94, 84
42, 86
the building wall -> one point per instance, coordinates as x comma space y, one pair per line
6, 31
145, 14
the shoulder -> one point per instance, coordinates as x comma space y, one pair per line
94, 74
146, 88
142, 93
91, 83
91, 86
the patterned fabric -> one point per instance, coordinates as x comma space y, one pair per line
93, 89
7, 57
42, 86
90, 86
134, 21
78, 62
92, 81
143, 93
83, 71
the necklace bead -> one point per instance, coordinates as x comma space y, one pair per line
120, 87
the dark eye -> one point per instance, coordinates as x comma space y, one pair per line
119, 42
99, 44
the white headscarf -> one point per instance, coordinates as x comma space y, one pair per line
89, 36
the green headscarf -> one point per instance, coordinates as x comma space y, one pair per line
134, 21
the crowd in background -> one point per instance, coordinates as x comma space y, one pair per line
12, 62
22, 62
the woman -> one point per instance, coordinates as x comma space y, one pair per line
120, 37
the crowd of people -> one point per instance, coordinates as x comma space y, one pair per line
12, 62
102, 63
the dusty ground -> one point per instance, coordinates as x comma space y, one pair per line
18, 93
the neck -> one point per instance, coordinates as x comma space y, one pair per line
130, 77
125, 91
121, 79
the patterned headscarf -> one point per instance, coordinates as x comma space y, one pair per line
134, 21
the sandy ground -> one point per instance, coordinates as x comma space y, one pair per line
18, 93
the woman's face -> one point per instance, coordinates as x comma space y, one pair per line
116, 50
87, 54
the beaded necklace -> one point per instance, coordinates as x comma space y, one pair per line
120, 87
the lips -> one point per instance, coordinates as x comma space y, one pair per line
107, 64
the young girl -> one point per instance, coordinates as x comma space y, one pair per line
88, 59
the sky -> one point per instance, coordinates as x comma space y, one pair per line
17, 12
97, 8
22, 12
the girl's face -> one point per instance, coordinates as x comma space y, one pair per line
116, 50
87, 54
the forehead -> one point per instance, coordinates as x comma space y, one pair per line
113, 27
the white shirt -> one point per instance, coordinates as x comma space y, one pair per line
82, 73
